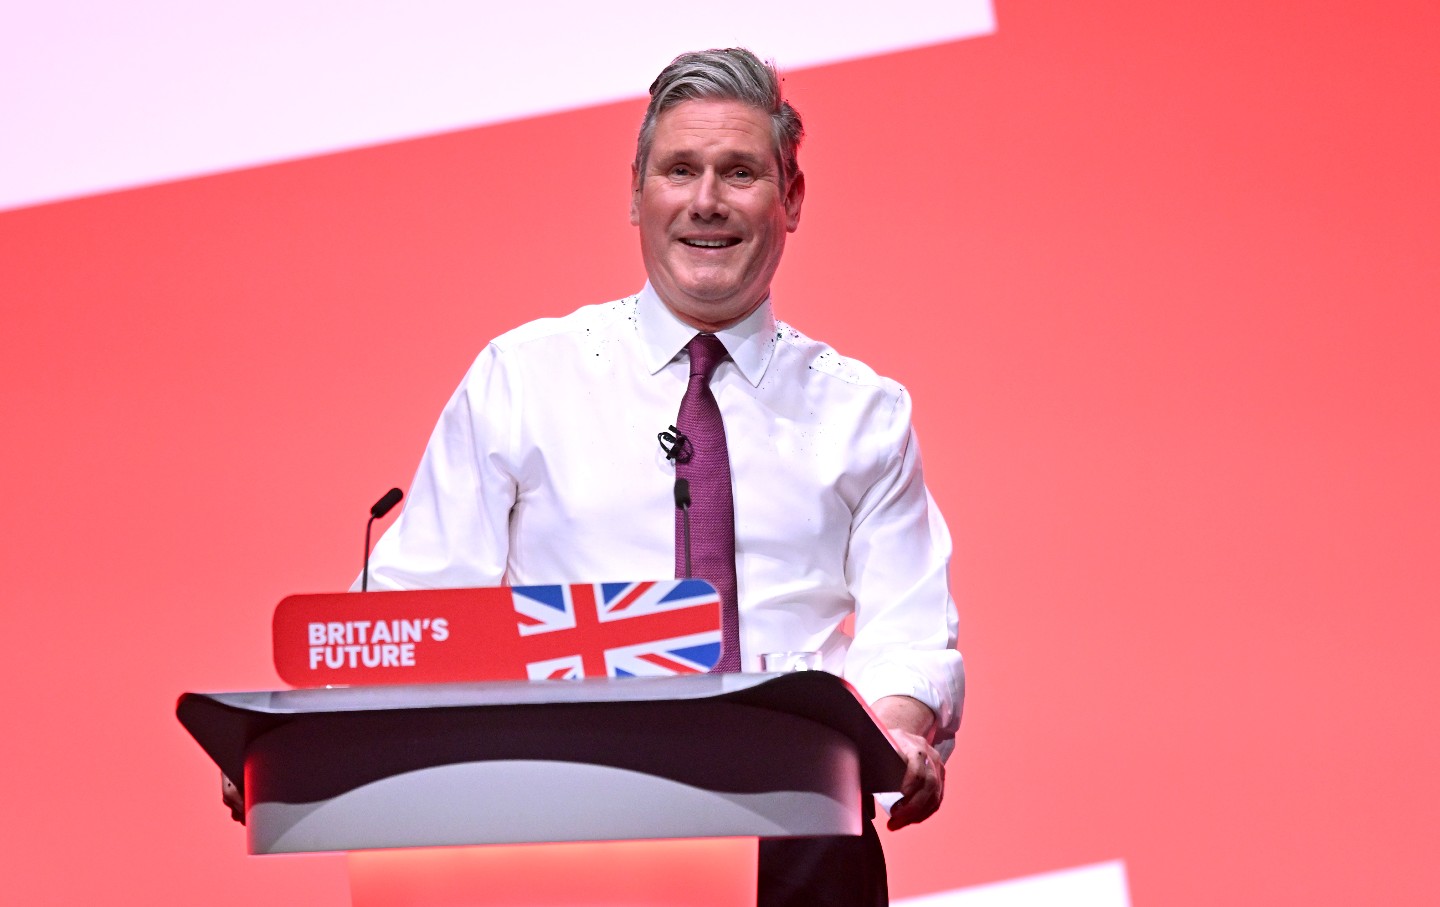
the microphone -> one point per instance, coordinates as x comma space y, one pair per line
674, 444
383, 506
377, 510
682, 501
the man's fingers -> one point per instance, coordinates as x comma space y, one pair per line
924, 782
922, 790
909, 810
230, 794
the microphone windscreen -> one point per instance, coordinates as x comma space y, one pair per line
382, 506
682, 493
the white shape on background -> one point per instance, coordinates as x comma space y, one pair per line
97, 95
1097, 885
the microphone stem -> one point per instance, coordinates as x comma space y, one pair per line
365, 573
685, 519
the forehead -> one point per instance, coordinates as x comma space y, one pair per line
713, 127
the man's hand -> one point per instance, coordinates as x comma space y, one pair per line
912, 726
231, 795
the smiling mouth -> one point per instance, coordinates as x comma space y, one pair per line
711, 243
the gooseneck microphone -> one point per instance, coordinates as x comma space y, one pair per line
377, 510
386, 503
682, 501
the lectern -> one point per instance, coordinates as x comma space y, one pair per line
704, 756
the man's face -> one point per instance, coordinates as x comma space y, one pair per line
711, 211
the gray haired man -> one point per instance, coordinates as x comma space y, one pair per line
544, 468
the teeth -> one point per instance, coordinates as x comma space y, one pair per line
708, 243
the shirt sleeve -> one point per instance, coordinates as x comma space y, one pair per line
454, 530
897, 569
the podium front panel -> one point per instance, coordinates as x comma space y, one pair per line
525, 775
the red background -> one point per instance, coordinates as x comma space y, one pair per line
1162, 278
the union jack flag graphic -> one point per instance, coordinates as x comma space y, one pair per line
570, 667
618, 629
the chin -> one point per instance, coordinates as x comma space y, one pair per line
711, 295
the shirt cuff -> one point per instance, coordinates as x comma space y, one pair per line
941, 687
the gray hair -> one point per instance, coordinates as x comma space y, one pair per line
729, 74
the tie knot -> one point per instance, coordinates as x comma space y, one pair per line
706, 352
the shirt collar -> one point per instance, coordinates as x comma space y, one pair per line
750, 342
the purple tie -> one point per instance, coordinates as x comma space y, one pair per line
706, 465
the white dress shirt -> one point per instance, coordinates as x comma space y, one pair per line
545, 468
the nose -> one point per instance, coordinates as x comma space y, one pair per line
708, 201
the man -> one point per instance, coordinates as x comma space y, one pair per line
544, 467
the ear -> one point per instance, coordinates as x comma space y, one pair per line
794, 198
634, 196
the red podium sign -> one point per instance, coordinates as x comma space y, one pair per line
502, 633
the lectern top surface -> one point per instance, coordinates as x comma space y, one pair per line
224, 724
491, 693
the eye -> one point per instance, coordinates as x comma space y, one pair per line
743, 174
679, 170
